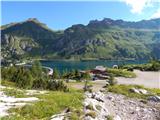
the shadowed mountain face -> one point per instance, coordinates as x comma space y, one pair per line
106, 39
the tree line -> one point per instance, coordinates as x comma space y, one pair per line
35, 77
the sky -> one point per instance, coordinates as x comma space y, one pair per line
60, 15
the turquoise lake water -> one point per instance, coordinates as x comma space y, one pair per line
84, 65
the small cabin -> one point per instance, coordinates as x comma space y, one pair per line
98, 70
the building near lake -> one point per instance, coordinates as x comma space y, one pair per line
99, 73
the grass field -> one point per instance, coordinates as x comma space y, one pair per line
53, 102
122, 73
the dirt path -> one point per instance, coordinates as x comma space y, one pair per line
147, 79
96, 85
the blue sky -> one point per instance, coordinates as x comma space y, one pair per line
60, 15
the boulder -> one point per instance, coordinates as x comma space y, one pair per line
139, 91
134, 90
98, 96
154, 98
143, 91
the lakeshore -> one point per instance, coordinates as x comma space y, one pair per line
69, 65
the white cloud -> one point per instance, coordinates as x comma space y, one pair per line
156, 14
137, 6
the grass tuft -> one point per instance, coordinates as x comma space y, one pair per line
125, 90
122, 73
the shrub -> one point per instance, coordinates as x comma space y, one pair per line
112, 80
33, 78
77, 75
85, 76
8, 73
23, 78
57, 85
155, 66
40, 83
55, 74
36, 69
87, 87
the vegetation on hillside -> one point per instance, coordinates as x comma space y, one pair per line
51, 103
33, 77
97, 40
151, 66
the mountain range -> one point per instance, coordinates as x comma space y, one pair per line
104, 39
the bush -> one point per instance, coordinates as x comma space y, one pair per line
85, 76
57, 85
74, 74
55, 74
87, 87
112, 80
77, 75
40, 83
36, 69
8, 73
155, 66
23, 78
33, 77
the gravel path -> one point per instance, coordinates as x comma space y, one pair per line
147, 79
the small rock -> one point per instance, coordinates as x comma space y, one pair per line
131, 102
143, 101
88, 118
143, 91
154, 98
110, 98
117, 118
58, 117
134, 90
67, 110
98, 96
137, 109
144, 110
153, 109
102, 90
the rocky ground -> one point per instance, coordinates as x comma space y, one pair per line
7, 102
100, 106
